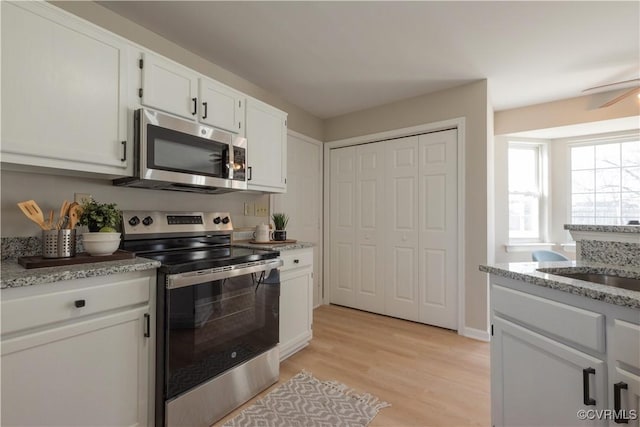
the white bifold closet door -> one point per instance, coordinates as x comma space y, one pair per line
393, 228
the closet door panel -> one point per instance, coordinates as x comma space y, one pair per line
369, 242
342, 227
438, 228
401, 225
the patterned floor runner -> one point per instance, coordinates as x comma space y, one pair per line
305, 401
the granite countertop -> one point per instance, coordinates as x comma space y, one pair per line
273, 247
603, 228
528, 272
13, 275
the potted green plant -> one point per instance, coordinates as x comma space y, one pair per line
102, 220
280, 221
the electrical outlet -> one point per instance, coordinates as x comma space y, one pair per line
249, 209
81, 197
262, 210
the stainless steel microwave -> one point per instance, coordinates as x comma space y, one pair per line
180, 155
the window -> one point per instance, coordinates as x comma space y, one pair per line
605, 181
525, 191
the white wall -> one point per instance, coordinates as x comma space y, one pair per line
50, 190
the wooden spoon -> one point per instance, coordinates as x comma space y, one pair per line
32, 211
75, 210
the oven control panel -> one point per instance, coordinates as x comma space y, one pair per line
144, 223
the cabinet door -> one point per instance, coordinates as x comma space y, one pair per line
627, 386
296, 300
221, 106
168, 86
63, 91
92, 372
267, 147
625, 370
537, 381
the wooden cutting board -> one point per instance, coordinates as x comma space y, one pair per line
273, 242
81, 258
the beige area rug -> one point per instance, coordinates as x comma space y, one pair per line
305, 401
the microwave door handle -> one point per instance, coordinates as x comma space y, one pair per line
230, 161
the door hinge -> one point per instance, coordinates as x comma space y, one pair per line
140, 93
238, 125
491, 330
240, 104
141, 63
285, 122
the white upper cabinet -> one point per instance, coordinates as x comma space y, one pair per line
175, 89
169, 87
63, 91
221, 106
266, 131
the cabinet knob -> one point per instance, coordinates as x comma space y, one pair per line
79, 303
296, 261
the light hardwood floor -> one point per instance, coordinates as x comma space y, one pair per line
431, 376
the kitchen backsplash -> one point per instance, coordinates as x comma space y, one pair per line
50, 190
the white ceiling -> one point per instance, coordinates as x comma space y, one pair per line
333, 57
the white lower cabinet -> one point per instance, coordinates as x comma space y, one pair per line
83, 355
559, 359
296, 300
625, 371
538, 380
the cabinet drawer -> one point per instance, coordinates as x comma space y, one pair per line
57, 306
626, 343
296, 259
571, 324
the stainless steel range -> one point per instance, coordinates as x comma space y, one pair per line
217, 316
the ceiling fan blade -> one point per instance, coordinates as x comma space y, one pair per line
621, 97
613, 86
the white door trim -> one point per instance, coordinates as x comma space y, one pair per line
459, 124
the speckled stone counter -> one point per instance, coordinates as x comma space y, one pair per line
603, 228
275, 247
528, 272
13, 275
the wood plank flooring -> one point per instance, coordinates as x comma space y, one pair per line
431, 376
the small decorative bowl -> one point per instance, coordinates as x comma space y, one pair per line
100, 244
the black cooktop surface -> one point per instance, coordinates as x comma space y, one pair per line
183, 260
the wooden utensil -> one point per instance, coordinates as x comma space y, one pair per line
75, 210
64, 211
32, 211
50, 222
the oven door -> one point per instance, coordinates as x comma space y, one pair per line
215, 320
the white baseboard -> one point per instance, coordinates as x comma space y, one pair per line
476, 334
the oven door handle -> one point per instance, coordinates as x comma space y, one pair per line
197, 277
